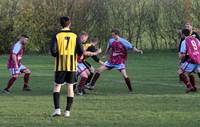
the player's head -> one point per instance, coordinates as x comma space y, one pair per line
65, 21
84, 36
24, 39
185, 32
94, 41
115, 33
188, 26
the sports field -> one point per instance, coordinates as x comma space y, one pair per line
158, 99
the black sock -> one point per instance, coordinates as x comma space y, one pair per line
69, 103
89, 77
74, 87
56, 100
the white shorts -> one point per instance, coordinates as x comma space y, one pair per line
114, 66
189, 67
14, 71
81, 68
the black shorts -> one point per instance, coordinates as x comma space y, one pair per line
88, 65
67, 77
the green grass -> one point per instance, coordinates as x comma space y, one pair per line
158, 99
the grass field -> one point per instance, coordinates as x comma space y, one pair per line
158, 99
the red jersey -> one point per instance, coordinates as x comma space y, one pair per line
193, 49
118, 54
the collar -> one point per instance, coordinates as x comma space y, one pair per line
66, 28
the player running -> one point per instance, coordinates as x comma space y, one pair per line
65, 47
190, 47
16, 67
118, 57
84, 68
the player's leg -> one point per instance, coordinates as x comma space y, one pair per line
71, 79
56, 100
27, 73
198, 71
97, 75
83, 72
90, 76
91, 69
185, 80
192, 78
186, 68
192, 81
127, 80
15, 73
84, 76
59, 81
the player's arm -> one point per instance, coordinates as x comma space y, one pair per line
80, 50
128, 45
107, 51
137, 50
14, 57
95, 58
15, 51
87, 53
54, 47
182, 53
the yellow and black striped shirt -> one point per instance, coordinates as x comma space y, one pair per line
65, 47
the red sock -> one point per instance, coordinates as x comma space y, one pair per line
26, 79
10, 83
96, 76
82, 83
128, 83
185, 80
192, 80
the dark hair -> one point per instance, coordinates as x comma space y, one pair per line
186, 32
24, 35
116, 31
83, 33
94, 39
65, 21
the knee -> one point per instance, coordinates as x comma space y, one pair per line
84, 75
98, 70
179, 71
15, 76
92, 69
56, 88
28, 71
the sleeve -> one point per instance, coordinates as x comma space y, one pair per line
79, 47
16, 48
54, 47
127, 44
183, 47
199, 42
179, 46
110, 41
93, 49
